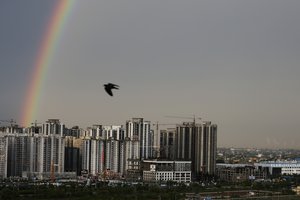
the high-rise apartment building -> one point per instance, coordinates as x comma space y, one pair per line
198, 143
32, 150
3, 155
14, 151
167, 143
139, 130
72, 156
93, 156
18, 154
113, 132
103, 149
112, 155
75, 132
52, 147
129, 152
35, 151
53, 127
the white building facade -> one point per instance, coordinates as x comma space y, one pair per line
164, 171
138, 129
280, 167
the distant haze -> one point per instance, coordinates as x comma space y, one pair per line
232, 62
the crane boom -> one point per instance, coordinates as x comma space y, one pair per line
183, 117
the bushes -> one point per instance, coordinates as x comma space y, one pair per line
7, 194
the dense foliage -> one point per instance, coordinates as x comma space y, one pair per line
169, 190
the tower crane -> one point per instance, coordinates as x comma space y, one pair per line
158, 124
182, 117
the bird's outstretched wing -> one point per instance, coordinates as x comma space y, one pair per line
113, 86
108, 90
108, 87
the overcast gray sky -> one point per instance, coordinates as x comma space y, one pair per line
232, 62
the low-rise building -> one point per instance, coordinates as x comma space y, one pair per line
163, 171
239, 172
276, 168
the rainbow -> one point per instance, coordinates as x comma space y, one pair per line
50, 42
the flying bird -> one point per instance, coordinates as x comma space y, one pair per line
108, 87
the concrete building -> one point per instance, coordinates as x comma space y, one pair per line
14, 151
51, 141
112, 155
113, 132
129, 156
167, 143
139, 130
276, 168
32, 150
93, 132
75, 132
18, 154
198, 143
163, 171
72, 155
263, 170
93, 156
239, 172
53, 127
104, 149
35, 151
46, 147
3, 155
51, 152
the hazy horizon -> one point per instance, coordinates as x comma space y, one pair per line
234, 63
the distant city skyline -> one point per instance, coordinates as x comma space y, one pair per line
51, 147
235, 63
7, 123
